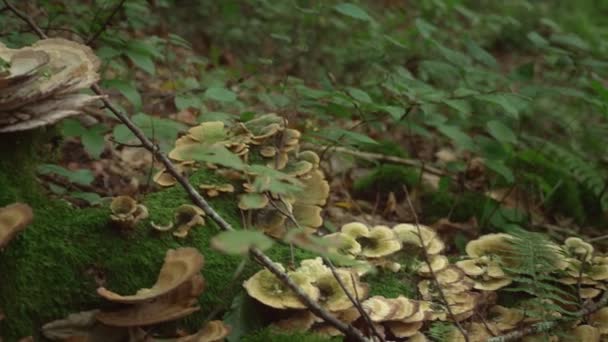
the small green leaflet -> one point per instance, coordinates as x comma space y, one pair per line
500, 168
238, 242
128, 90
220, 94
212, 154
359, 95
460, 138
185, 101
501, 132
92, 138
353, 11
82, 177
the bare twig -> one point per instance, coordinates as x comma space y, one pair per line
427, 261
105, 23
389, 159
354, 299
197, 199
548, 325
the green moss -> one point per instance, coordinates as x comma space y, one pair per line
269, 335
391, 285
386, 178
459, 207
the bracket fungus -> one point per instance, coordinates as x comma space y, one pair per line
126, 212
317, 281
375, 242
401, 316
279, 171
174, 295
408, 235
13, 219
179, 266
41, 85
269, 290
186, 217
486, 254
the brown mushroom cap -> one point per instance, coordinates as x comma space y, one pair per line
170, 305
490, 244
599, 319
408, 234
578, 248
213, 331
13, 219
332, 295
31, 98
123, 205
179, 267
381, 309
401, 329
269, 290
586, 333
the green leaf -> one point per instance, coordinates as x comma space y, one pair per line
461, 106
481, 55
145, 62
252, 200
337, 134
537, 40
503, 100
460, 138
128, 90
212, 154
353, 11
238, 242
220, 94
394, 111
90, 197
93, 140
185, 101
500, 168
359, 95
501, 132
82, 177
243, 317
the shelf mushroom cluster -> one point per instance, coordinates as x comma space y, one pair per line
269, 168
40, 84
174, 295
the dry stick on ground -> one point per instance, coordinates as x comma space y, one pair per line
548, 325
389, 159
427, 261
255, 253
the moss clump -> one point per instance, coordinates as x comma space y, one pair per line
459, 207
269, 335
386, 178
391, 285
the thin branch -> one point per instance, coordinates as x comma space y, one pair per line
105, 23
548, 325
389, 159
427, 261
354, 299
197, 199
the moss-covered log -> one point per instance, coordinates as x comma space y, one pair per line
53, 268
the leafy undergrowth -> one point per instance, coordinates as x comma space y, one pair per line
379, 116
